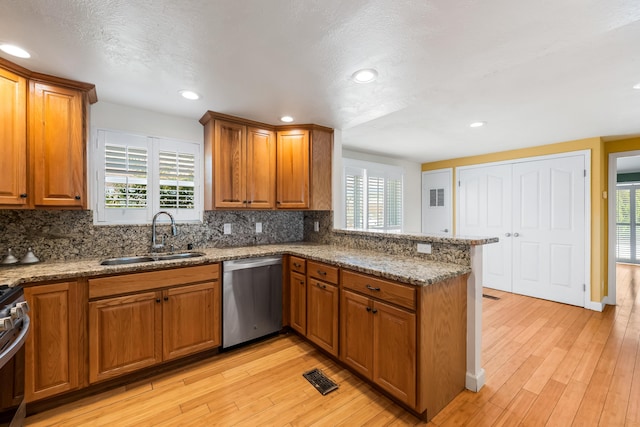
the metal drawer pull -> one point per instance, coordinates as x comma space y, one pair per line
157, 299
371, 288
374, 311
368, 308
322, 273
302, 282
296, 265
321, 286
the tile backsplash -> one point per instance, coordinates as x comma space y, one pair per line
64, 235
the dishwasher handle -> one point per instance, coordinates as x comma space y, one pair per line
243, 264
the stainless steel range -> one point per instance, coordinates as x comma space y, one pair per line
14, 326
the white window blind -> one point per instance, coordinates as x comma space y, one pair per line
138, 176
373, 196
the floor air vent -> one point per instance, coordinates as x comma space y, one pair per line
317, 379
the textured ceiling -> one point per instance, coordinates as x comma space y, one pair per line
537, 72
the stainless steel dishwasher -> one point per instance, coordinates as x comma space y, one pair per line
251, 299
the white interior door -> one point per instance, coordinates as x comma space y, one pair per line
549, 229
437, 210
484, 209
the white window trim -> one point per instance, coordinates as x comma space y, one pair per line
372, 169
155, 144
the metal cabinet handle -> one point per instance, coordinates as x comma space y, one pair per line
23, 196
371, 288
516, 234
77, 197
166, 298
158, 300
374, 311
507, 234
302, 282
322, 273
321, 286
296, 265
368, 308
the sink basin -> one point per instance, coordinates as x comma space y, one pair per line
147, 258
126, 260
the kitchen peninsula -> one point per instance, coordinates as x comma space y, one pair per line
437, 290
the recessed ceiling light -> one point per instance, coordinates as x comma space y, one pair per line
365, 76
636, 86
477, 124
189, 94
15, 51
286, 119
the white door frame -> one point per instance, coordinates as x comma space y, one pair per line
448, 198
597, 306
611, 198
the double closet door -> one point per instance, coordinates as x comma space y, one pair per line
537, 209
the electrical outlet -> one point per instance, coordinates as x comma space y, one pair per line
258, 227
424, 248
227, 228
316, 226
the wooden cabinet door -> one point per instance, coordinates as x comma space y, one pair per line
57, 142
53, 344
299, 303
191, 319
356, 332
292, 177
125, 334
322, 315
13, 139
229, 155
261, 168
394, 351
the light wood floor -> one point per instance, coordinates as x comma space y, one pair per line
546, 364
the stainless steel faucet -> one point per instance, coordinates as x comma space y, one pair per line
174, 230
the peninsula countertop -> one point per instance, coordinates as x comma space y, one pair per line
412, 270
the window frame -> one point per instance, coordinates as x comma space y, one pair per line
154, 145
374, 170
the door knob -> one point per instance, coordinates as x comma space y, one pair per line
446, 230
516, 234
507, 234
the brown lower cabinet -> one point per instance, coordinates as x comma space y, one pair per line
131, 332
54, 347
322, 315
378, 340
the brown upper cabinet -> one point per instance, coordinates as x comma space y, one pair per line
244, 166
43, 139
248, 167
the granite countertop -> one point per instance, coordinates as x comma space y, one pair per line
427, 238
405, 269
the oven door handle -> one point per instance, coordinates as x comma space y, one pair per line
17, 343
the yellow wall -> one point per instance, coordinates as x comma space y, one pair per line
598, 185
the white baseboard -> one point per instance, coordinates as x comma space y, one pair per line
595, 306
475, 382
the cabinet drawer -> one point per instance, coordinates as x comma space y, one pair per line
136, 282
324, 272
297, 264
395, 293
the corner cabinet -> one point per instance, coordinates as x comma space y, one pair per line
46, 117
55, 361
252, 165
164, 315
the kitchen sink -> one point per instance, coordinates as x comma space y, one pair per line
150, 258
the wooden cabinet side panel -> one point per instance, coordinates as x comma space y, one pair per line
394, 349
191, 319
356, 332
13, 139
125, 334
298, 284
443, 343
229, 164
322, 315
209, 133
292, 164
261, 168
321, 161
58, 149
52, 347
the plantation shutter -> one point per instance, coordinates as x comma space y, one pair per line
177, 180
393, 202
375, 202
354, 198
